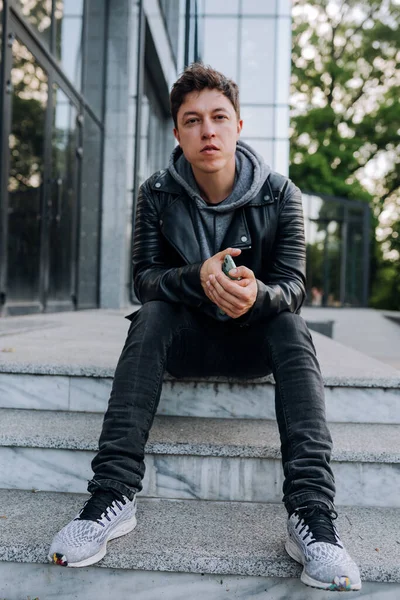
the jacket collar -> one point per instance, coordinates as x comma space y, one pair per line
163, 181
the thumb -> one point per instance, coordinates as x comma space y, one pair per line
231, 251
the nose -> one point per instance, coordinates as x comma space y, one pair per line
207, 130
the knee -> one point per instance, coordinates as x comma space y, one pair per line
156, 314
290, 327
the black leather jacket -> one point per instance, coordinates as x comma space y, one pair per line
269, 230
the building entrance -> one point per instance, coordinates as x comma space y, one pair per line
43, 131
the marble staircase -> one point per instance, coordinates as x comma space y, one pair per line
210, 515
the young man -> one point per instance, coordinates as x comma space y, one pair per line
217, 197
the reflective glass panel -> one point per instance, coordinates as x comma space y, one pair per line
89, 215
354, 257
221, 45
94, 55
221, 7
156, 139
259, 7
323, 229
257, 61
170, 11
62, 198
68, 19
25, 183
38, 15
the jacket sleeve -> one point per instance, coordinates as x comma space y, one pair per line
153, 279
284, 286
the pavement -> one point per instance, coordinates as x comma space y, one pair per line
88, 343
376, 333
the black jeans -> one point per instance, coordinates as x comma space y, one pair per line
185, 342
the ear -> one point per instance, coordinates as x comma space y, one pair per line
177, 136
239, 128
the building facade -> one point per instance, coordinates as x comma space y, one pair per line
84, 120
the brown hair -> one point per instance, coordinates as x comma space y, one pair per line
197, 77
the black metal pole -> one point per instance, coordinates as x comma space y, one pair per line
366, 253
187, 33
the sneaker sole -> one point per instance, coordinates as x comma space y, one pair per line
295, 553
119, 531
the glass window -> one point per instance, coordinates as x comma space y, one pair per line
68, 19
354, 257
38, 15
323, 230
94, 55
170, 11
221, 56
62, 198
156, 142
221, 7
89, 215
257, 61
25, 182
259, 7
257, 121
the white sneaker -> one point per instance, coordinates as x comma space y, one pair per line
315, 543
105, 516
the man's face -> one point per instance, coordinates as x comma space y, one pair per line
208, 130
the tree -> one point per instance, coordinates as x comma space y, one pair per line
345, 110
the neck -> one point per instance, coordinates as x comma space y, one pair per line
215, 187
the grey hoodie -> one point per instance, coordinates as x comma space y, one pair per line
212, 221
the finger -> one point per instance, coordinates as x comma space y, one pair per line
223, 302
243, 272
232, 287
231, 251
218, 283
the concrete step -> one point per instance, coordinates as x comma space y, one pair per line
210, 459
347, 401
66, 361
241, 543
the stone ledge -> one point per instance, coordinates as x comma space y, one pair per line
193, 436
233, 538
70, 346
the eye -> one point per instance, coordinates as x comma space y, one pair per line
220, 117
191, 121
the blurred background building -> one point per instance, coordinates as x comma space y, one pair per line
84, 120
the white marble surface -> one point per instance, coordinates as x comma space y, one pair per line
20, 581
34, 391
196, 477
221, 400
39, 469
89, 394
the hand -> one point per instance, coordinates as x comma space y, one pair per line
235, 298
213, 266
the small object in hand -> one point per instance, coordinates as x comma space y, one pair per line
228, 265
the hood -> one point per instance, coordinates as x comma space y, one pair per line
251, 173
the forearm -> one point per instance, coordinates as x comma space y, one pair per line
179, 284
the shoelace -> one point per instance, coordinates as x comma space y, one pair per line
99, 504
316, 520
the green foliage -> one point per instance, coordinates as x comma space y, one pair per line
346, 114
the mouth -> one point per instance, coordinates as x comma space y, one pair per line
209, 149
